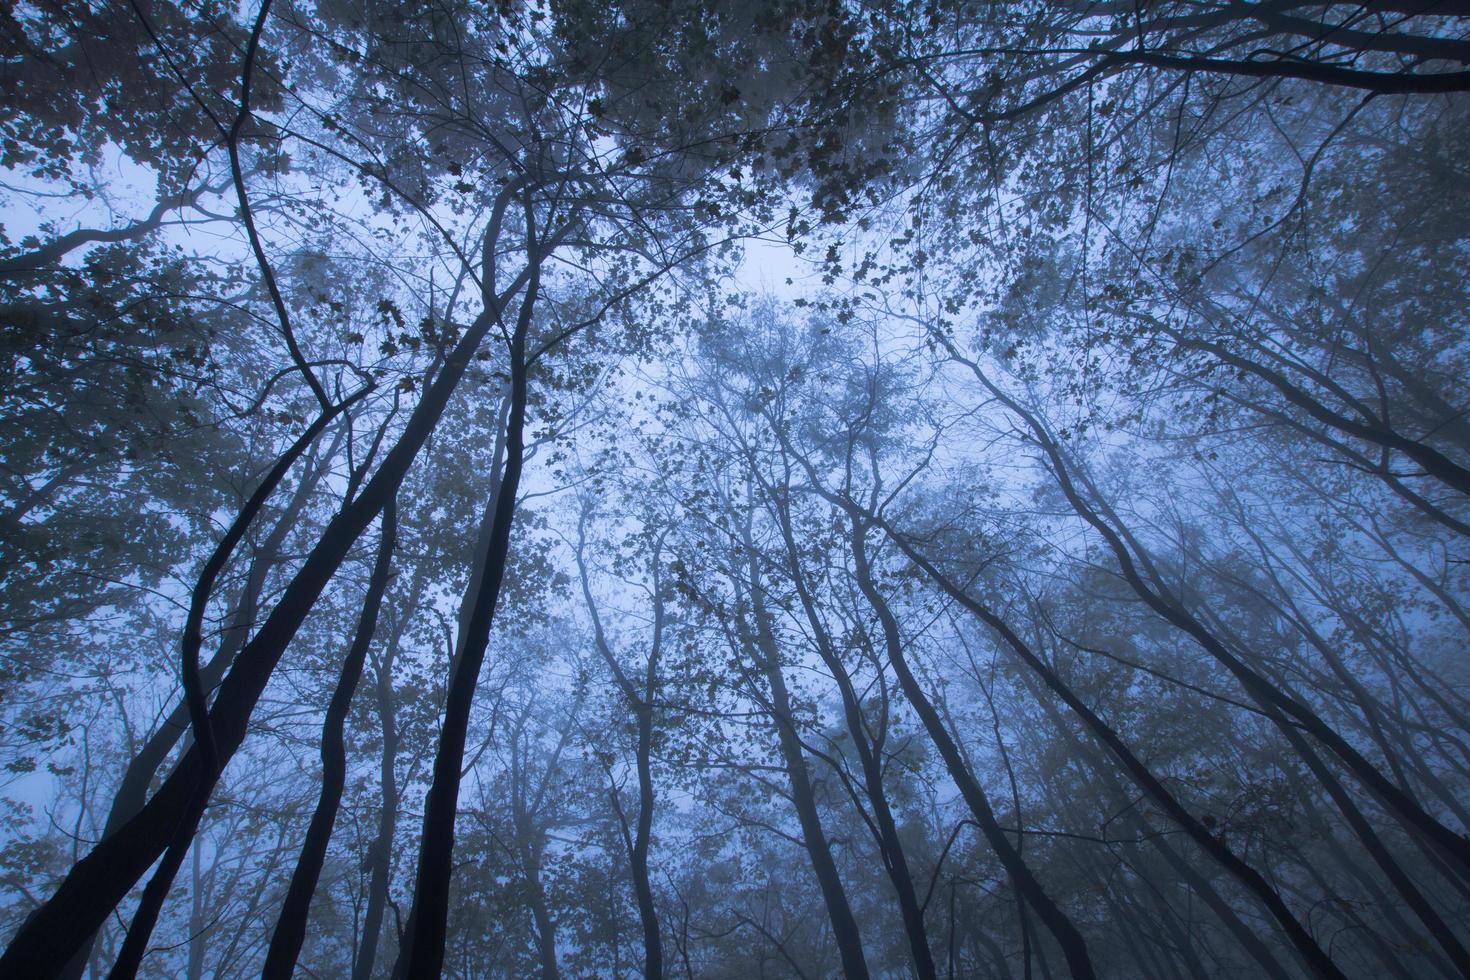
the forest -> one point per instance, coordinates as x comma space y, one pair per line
735, 489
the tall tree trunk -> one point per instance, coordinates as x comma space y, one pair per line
1437, 928
1244, 937
150, 904
132, 790
97, 883
767, 653
423, 950
1057, 922
819, 851
1135, 564
380, 858
653, 950
290, 932
641, 705
198, 928
1141, 775
196, 694
890, 845
540, 914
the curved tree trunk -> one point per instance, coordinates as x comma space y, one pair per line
132, 790
196, 693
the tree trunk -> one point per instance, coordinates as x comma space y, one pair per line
641, 705
1141, 775
198, 928
381, 857
132, 791
1073, 946
285, 946
422, 954
1197, 882
1135, 563
764, 648
540, 914
895, 863
99, 881
653, 952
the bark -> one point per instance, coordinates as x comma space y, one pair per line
195, 695
135, 943
653, 953
1338, 35
1197, 883
198, 928
1390, 922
